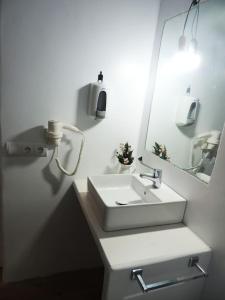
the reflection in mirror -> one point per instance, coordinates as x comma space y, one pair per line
188, 106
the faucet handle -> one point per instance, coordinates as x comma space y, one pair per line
157, 173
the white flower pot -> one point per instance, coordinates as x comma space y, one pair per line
126, 169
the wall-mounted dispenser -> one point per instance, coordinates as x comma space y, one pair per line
187, 110
98, 98
55, 134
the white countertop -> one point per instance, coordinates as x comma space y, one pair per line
134, 247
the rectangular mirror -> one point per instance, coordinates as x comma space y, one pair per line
188, 105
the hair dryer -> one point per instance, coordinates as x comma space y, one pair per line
55, 134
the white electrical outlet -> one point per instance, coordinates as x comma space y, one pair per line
40, 150
26, 149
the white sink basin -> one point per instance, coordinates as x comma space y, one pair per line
128, 201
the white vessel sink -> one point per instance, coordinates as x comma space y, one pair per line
128, 201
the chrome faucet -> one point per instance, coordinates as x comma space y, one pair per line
155, 177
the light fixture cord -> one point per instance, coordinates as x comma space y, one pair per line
193, 3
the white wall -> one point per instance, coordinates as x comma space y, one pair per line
205, 213
51, 50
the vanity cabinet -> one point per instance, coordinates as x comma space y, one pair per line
162, 252
118, 283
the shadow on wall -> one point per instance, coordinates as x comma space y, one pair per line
49, 175
114, 166
52, 250
56, 179
36, 134
188, 131
83, 120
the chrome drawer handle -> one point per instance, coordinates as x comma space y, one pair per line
136, 274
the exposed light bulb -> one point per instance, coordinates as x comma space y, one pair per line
182, 43
182, 62
186, 61
193, 46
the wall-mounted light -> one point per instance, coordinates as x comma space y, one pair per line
186, 61
193, 47
182, 40
187, 58
182, 43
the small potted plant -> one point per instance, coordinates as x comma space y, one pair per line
161, 151
125, 158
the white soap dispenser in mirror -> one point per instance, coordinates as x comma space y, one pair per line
187, 110
98, 98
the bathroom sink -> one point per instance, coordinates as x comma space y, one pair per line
128, 201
